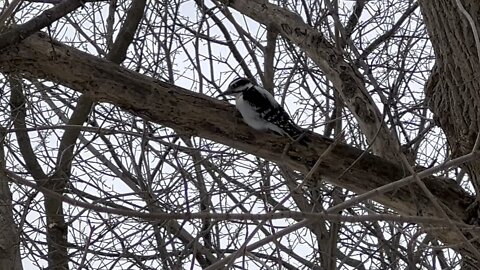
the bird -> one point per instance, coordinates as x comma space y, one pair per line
260, 110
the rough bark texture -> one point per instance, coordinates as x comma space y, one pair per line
344, 77
453, 87
196, 114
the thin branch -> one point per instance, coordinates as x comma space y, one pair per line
18, 33
310, 217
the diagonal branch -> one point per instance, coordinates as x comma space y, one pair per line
346, 79
19, 32
196, 114
385, 36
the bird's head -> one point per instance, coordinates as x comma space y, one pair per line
237, 86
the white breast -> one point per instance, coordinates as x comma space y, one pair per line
252, 118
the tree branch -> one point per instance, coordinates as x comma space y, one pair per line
346, 80
196, 114
9, 234
19, 32
56, 227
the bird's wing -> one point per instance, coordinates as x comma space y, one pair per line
259, 98
269, 109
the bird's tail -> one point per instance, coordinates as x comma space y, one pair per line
296, 133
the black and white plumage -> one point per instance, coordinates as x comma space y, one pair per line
260, 110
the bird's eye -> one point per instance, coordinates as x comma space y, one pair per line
238, 83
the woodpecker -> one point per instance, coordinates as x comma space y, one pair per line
260, 110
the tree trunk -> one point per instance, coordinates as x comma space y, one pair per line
453, 87
196, 114
452, 90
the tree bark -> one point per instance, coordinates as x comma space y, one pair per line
345, 78
9, 235
453, 87
196, 114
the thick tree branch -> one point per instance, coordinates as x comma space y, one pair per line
125, 36
269, 59
84, 105
9, 234
19, 114
56, 227
196, 114
354, 17
346, 80
452, 89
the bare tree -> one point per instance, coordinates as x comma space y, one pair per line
116, 153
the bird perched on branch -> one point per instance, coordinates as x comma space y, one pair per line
260, 110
